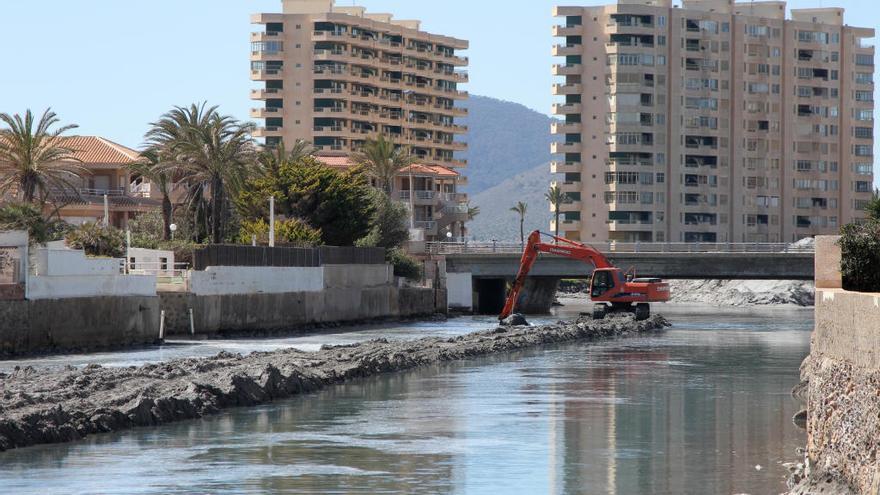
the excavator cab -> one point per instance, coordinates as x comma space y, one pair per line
602, 282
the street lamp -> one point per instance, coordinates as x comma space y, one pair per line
173, 229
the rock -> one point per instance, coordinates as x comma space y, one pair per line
47, 407
800, 419
515, 320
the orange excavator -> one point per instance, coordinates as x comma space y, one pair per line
612, 289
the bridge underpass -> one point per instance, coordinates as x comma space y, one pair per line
478, 281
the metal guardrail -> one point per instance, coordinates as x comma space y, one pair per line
261, 256
623, 247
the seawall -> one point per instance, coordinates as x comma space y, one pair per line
53, 325
841, 387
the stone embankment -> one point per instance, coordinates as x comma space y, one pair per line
727, 292
39, 407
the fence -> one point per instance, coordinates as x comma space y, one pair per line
624, 247
221, 255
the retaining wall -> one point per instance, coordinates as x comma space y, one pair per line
231, 313
843, 376
77, 324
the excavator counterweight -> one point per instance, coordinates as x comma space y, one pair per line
611, 288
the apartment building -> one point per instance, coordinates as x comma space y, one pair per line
713, 122
336, 76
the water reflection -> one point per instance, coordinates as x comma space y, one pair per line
692, 411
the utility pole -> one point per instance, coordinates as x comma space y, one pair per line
272, 221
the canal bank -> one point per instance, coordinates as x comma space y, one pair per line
669, 413
68, 405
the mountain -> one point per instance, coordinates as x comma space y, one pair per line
504, 139
496, 221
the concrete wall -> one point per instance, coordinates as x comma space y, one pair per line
225, 280
224, 313
843, 372
461, 291
77, 324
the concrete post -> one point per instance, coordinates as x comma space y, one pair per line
272, 221
192, 323
162, 325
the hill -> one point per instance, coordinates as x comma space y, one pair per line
496, 221
504, 139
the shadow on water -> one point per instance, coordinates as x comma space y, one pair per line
694, 410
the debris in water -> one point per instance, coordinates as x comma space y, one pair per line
515, 320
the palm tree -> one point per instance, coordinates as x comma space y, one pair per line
33, 161
150, 167
521, 209
384, 160
210, 152
556, 198
472, 212
270, 160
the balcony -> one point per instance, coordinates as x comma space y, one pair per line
264, 93
264, 113
566, 50
559, 148
565, 224
454, 213
567, 108
456, 198
567, 69
562, 31
430, 226
565, 128
567, 89
419, 197
266, 74
560, 167
268, 131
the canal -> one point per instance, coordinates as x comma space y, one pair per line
703, 408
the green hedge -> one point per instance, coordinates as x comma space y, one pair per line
860, 256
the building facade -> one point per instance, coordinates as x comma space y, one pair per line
337, 76
713, 122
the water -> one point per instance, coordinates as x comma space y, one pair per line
695, 410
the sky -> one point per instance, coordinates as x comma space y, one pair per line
113, 66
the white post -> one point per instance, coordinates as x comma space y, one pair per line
412, 204
192, 323
272, 221
162, 325
106, 211
254, 240
127, 251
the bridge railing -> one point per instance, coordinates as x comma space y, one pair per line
624, 247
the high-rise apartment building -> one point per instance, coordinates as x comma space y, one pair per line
713, 122
336, 76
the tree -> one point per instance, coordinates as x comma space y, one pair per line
521, 209
26, 216
150, 167
33, 161
390, 225
338, 203
211, 153
97, 240
873, 206
383, 160
288, 231
556, 198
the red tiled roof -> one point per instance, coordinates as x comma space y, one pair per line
94, 149
344, 162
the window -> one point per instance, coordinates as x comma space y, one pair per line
753, 30
864, 96
863, 132
813, 37
863, 168
661, 20
863, 150
661, 177
864, 59
864, 78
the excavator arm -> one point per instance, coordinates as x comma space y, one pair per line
560, 247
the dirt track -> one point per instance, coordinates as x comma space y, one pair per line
38, 407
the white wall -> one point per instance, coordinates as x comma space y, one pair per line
74, 286
221, 280
460, 291
357, 276
149, 261
69, 262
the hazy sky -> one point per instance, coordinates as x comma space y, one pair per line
112, 66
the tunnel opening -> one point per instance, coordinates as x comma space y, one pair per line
491, 294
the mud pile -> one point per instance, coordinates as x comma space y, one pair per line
38, 407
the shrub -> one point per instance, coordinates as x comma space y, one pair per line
290, 231
405, 265
860, 256
97, 240
24, 216
389, 225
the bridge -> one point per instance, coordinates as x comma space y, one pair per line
478, 273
